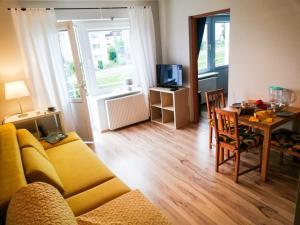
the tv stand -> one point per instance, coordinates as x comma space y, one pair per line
173, 88
169, 107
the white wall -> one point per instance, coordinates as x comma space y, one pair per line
264, 42
265, 48
11, 66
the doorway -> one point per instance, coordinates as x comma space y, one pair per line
209, 55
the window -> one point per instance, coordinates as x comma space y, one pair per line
214, 51
108, 47
203, 57
95, 46
221, 43
111, 58
69, 66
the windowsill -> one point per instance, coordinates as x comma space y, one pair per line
117, 94
221, 67
214, 70
207, 75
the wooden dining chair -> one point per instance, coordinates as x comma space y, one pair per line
235, 139
214, 99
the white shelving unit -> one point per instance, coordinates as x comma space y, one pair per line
169, 108
51, 120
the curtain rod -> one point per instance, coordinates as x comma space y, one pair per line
125, 7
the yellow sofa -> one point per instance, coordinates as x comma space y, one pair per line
70, 166
40, 203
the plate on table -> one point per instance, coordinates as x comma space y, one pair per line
285, 114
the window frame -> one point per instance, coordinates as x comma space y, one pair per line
106, 25
68, 26
211, 48
206, 70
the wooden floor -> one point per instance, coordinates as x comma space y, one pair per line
175, 170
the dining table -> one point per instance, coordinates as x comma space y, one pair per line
267, 128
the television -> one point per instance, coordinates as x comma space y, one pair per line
169, 75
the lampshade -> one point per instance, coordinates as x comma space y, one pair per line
16, 89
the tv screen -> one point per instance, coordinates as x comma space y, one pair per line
169, 75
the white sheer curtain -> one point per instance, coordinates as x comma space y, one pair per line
38, 39
142, 38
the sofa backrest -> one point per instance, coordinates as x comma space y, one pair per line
36, 164
39, 169
26, 139
12, 176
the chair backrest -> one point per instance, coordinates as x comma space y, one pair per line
226, 127
214, 99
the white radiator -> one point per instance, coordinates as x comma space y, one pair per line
126, 110
207, 84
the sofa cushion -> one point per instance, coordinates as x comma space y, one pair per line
97, 196
72, 136
130, 208
26, 139
38, 168
39, 204
12, 176
78, 167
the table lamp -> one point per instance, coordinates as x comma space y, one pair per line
16, 90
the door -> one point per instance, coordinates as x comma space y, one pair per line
75, 80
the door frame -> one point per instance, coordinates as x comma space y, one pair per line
193, 71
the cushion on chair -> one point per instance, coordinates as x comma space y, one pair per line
211, 122
296, 148
39, 204
72, 136
131, 208
97, 196
38, 168
78, 167
26, 139
286, 139
247, 138
295, 137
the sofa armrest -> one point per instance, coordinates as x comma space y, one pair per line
130, 208
72, 136
39, 203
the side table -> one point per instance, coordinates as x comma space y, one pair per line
34, 120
